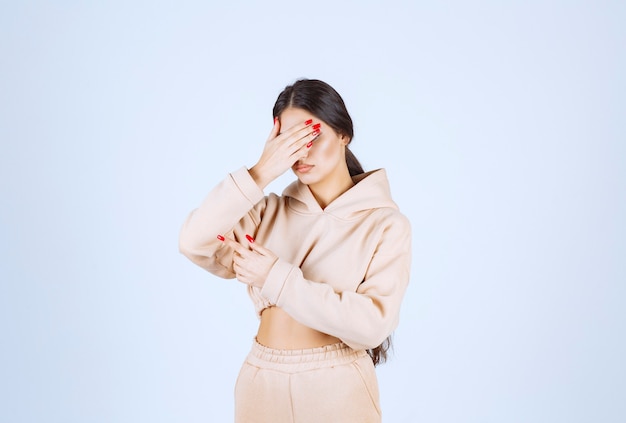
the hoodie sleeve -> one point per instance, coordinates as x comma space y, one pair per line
361, 319
233, 208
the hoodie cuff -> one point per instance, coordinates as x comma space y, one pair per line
275, 281
247, 185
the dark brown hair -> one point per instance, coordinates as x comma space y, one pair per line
323, 102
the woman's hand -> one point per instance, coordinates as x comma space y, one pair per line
253, 265
283, 150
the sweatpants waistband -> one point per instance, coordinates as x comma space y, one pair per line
292, 361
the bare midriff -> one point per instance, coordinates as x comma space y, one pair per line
280, 331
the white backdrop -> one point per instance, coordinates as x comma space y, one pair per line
501, 125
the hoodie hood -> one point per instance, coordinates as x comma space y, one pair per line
371, 191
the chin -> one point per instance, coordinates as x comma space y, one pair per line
307, 179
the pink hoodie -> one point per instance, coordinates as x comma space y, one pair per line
342, 270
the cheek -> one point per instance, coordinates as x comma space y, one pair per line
325, 150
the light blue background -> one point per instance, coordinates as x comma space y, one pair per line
502, 128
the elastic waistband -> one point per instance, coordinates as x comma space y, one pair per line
304, 359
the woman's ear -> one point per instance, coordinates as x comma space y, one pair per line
345, 140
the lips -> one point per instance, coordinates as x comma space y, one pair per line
302, 168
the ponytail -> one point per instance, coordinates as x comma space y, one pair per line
379, 354
354, 166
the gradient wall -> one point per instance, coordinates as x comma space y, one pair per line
501, 125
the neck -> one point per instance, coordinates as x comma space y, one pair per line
326, 191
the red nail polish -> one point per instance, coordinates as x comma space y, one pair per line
220, 237
317, 126
310, 144
308, 122
316, 132
249, 238
275, 119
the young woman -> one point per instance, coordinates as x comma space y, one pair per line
326, 265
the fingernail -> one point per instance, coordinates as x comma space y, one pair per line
249, 238
308, 122
275, 119
309, 144
220, 237
316, 132
317, 126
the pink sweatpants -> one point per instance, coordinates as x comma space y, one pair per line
330, 384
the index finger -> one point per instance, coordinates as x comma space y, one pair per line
240, 249
295, 128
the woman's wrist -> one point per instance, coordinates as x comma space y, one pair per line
259, 177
